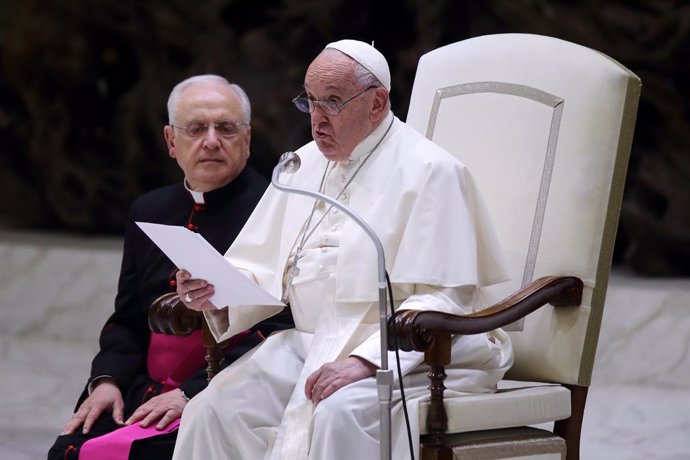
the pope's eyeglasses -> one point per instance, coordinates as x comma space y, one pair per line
330, 107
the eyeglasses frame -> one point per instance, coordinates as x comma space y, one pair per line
312, 103
206, 126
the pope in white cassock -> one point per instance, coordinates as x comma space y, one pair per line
310, 392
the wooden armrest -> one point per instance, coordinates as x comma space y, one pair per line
168, 315
414, 330
431, 333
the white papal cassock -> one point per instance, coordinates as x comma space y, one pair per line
440, 247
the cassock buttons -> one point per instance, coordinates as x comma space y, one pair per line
192, 227
198, 207
173, 283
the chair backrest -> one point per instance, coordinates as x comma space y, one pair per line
545, 126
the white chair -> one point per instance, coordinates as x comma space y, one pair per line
545, 126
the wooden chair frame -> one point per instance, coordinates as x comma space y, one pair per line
169, 315
430, 332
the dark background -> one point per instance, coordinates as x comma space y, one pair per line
83, 87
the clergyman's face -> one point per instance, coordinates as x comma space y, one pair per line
212, 160
331, 77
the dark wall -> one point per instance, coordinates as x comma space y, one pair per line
83, 86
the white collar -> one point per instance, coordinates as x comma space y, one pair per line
369, 142
198, 197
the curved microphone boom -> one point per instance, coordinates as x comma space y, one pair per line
290, 162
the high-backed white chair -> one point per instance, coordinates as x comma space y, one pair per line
545, 126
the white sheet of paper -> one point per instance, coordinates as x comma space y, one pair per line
190, 251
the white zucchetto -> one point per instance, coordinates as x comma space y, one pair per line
367, 56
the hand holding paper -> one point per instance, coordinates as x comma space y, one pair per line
190, 251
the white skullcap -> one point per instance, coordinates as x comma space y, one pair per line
367, 56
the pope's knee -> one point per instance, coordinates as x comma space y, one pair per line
336, 407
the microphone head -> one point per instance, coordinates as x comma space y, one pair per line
291, 162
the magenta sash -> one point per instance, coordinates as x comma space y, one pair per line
170, 361
117, 444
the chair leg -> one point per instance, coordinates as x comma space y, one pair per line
570, 429
437, 419
214, 355
437, 452
214, 352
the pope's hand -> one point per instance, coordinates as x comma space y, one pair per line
194, 293
332, 376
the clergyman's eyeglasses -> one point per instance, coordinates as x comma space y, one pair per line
225, 129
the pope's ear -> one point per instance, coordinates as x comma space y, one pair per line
378, 110
169, 135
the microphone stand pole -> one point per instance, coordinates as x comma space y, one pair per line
384, 376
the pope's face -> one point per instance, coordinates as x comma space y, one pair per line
215, 158
331, 77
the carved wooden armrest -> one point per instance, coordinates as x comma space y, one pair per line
169, 315
431, 333
416, 330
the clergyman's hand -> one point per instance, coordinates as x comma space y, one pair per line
165, 408
194, 293
332, 376
105, 396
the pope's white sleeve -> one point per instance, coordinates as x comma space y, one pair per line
229, 321
449, 300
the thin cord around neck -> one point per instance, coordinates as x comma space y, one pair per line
292, 265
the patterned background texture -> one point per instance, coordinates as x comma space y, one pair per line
83, 86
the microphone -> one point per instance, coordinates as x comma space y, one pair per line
290, 162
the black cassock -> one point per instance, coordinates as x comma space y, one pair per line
147, 273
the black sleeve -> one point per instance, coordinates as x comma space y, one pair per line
125, 337
282, 320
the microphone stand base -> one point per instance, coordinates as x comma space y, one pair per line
384, 385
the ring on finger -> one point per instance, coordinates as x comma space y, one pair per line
187, 297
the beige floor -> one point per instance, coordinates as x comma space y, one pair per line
56, 292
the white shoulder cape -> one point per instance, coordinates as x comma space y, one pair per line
421, 202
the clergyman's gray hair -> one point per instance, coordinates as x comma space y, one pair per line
208, 78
